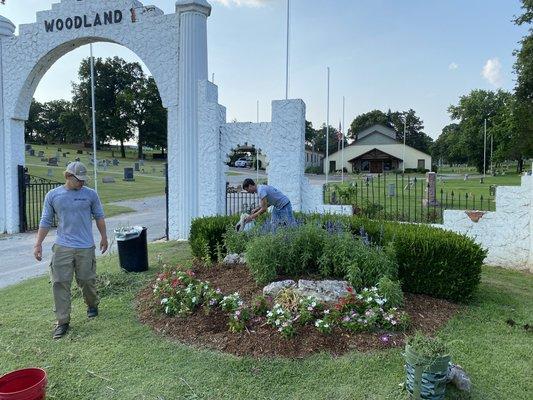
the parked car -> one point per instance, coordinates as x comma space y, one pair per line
241, 163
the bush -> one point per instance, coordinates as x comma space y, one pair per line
235, 242
206, 236
392, 291
431, 261
313, 170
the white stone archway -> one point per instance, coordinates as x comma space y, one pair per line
174, 48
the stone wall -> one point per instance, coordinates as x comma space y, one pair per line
507, 233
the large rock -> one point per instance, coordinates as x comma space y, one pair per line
326, 291
233, 259
274, 288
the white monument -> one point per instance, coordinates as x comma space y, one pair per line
174, 48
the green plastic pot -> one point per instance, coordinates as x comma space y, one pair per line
426, 377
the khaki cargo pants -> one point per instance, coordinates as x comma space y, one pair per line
66, 262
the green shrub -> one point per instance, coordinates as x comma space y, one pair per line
337, 254
369, 264
262, 256
234, 241
207, 235
392, 291
305, 248
431, 261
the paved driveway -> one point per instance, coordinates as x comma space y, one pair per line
16, 251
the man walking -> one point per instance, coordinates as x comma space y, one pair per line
74, 251
270, 196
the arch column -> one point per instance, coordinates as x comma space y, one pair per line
183, 162
8, 171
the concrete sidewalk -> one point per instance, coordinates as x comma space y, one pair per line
16, 251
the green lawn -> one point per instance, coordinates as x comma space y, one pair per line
114, 357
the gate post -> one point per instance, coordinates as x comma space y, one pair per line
7, 30
22, 198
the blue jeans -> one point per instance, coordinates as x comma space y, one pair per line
283, 215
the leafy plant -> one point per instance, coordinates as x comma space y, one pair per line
391, 290
428, 347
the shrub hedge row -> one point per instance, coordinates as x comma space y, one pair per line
430, 260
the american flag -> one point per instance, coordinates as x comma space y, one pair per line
340, 136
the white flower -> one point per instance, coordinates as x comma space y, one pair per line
166, 310
393, 322
326, 325
164, 301
277, 322
369, 299
326, 311
309, 308
269, 314
360, 296
194, 299
279, 311
313, 304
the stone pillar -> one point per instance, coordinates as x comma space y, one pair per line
192, 67
7, 30
431, 195
287, 149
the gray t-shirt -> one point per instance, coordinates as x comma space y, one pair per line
274, 196
73, 209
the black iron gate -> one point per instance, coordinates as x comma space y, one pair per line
32, 190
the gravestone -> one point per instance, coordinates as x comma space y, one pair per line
44, 159
50, 172
128, 174
136, 166
40, 153
77, 159
141, 162
391, 189
52, 161
431, 190
32, 152
79, 152
59, 149
28, 147
115, 162
108, 179
153, 170
104, 166
64, 155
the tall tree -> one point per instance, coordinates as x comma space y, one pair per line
471, 113
523, 108
148, 116
34, 129
112, 77
415, 136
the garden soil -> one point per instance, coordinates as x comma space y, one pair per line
427, 314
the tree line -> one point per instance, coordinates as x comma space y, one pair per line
508, 115
128, 105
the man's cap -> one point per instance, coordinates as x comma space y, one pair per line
77, 169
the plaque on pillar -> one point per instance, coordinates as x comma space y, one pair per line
128, 174
431, 190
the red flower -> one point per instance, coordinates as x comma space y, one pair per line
350, 289
175, 282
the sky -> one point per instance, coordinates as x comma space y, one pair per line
382, 54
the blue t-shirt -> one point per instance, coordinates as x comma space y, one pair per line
274, 196
73, 209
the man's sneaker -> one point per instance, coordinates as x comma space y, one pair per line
92, 312
60, 331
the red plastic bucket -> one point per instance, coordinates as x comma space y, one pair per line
24, 384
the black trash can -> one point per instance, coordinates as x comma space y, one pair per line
132, 249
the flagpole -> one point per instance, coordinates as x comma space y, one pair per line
327, 134
95, 164
403, 150
287, 55
257, 151
342, 144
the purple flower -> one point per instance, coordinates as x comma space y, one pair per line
385, 338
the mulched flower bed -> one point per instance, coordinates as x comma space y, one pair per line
427, 314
